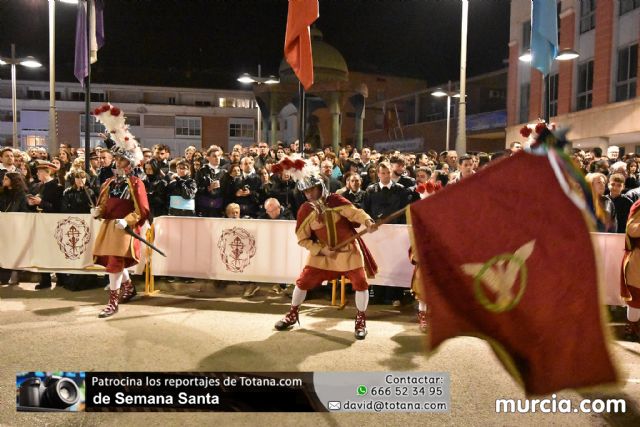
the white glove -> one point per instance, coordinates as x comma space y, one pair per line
95, 212
121, 224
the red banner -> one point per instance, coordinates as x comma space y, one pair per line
508, 257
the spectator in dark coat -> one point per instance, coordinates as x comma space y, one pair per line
78, 198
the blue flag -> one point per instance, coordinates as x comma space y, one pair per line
544, 34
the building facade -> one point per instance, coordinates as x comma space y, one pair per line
596, 95
177, 117
417, 121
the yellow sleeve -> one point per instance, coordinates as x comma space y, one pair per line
354, 214
304, 236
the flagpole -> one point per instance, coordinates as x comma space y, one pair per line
87, 93
301, 118
546, 97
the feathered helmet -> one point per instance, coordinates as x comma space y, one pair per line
542, 134
303, 172
113, 119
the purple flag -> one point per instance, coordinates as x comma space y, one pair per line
96, 40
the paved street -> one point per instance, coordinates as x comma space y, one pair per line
182, 329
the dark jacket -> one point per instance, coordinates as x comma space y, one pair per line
249, 205
284, 192
76, 200
51, 195
612, 224
356, 198
331, 183
13, 201
157, 195
210, 203
622, 206
380, 202
183, 187
105, 173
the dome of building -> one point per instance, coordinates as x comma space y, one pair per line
328, 63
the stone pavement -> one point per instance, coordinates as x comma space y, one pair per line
198, 328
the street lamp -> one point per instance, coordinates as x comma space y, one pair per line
247, 79
563, 55
29, 62
439, 93
53, 131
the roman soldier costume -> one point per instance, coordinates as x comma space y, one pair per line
122, 203
323, 223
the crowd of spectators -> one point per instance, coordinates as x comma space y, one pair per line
241, 184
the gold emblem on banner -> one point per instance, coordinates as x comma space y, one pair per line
500, 275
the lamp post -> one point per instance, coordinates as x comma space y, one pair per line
563, 55
248, 78
29, 62
461, 137
53, 129
439, 93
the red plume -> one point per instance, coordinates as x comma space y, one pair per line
287, 163
540, 127
277, 168
299, 164
115, 111
421, 188
525, 131
438, 186
430, 187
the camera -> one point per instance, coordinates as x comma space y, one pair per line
54, 392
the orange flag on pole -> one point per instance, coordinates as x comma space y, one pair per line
510, 259
297, 40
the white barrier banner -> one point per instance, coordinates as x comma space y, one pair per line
47, 241
227, 249
260, 250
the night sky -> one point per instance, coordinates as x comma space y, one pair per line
209, 43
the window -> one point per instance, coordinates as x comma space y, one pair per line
97, 97
552, 91
203, 103
628, 5
587, 15
94, 126
133, 119
526, 36
58, 95
172, 100
524, 102
241, 128
585, 85
626, 81
77, 96
35, 140
7, 116
34, 94
188, 126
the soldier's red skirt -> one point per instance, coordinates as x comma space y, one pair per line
312, 277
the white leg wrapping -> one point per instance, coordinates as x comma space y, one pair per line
422, 306
633, 314
362, 300
115, 280
125, 275
298, 296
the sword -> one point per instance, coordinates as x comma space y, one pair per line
86, 191
130, 232
381, 221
